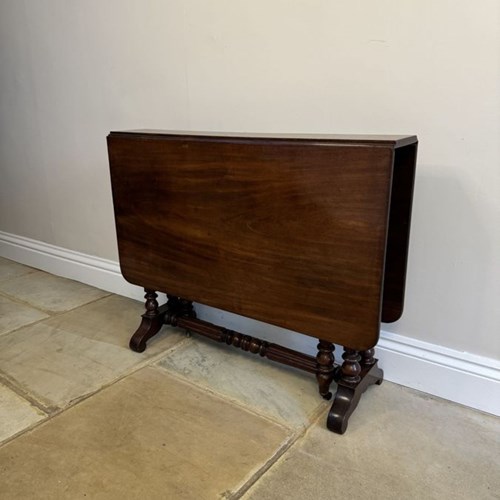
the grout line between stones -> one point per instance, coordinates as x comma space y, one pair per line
270, 463
254, 477
52, 412
21, 302
50, 313
31, 270
322, 404
224, 397
33, 401
295, 433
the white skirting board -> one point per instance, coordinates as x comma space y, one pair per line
464, 378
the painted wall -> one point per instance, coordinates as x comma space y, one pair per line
70, 71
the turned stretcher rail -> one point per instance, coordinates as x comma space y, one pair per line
247, 343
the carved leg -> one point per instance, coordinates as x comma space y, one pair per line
183, 308
325, 367
152, 321
186, 308
367, 357
354, 380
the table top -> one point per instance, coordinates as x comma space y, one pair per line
395, 141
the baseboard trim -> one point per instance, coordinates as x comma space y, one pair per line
95, 271
464, 378
461, 377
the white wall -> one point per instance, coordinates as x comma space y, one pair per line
70, 71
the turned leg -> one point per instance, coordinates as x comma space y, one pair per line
367, 361
179, 308
325, 367
359, 371
152, 321
367, 357
351, 369
186, 308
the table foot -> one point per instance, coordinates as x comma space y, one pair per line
155, 317
355, 379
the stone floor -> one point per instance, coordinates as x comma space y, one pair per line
83, 416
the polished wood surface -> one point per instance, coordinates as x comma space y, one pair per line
396, 141
305, 232
399, 232
290, 231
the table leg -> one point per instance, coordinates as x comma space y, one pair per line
355, 378
325, 367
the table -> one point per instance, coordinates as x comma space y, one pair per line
306, 232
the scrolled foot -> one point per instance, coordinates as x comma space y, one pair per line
152, 321
349, 392
345, 402
147, 329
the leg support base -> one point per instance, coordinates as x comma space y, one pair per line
356, 374
347, 397
155, 317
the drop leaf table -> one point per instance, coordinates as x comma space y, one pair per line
306, 232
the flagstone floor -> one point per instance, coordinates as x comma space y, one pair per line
82, 416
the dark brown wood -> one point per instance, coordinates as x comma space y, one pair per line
347, 398
354, 379
403, 180
353, 382
152, 321
271, 351
396, 141
351, 369
367, 357
325, 367
240, 216
155, 317
309, 233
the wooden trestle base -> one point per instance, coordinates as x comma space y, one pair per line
358, 371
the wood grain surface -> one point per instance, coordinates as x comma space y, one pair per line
289, 232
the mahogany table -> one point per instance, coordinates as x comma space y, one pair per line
307, 232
